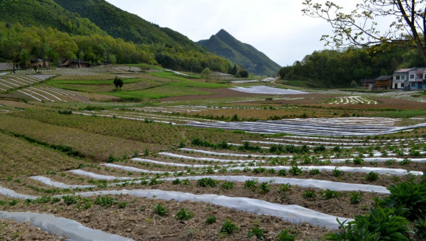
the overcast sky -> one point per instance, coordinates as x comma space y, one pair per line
275, 27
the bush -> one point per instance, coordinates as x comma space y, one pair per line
207, 182
379, 224
313, 172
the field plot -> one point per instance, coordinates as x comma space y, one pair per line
354, 100
305, 128
187, 169
244, 185
11, 82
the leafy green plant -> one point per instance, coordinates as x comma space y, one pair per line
328, 194
256, 231
264, 188
207, 182
105, 201
420, 228
355, 197
160, 210
295, 171
122, 205
176, 181
358, 161
211, 219
390, 162
379, 224
251, 184
406, 161
284, 188
227, 185
337, 173
309, 194
68, 200
184, 214
286, 236
228, 227
408, 195
282, 173
313, 172
13, 202
372, 176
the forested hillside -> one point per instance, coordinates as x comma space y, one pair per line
172, 49
333, 68
46, 13
224, 44
44, 29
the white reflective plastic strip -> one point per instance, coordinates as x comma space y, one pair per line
74, 231
306, 183
290, 213
47, 181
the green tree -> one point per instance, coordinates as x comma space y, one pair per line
243, 73
206, 74
118, 82
25, 58
361, 26
112, 59
383, 72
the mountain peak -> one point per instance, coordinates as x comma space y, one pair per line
225, 45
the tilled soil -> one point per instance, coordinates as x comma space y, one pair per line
11, 230
138, 221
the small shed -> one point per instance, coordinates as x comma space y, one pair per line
39, 63
368, 83
71, 63
384, 82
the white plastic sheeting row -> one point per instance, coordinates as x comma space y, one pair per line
290, 213
72, 230
12, 194
306, 183
132, 169
304, 128
49, 182
201, 158
337, 160
379, 170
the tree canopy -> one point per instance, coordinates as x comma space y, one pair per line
361, 26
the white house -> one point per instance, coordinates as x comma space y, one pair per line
411, 78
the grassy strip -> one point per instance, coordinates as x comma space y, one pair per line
90, 82
18, 157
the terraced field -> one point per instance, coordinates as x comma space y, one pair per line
162, 171
290, 184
